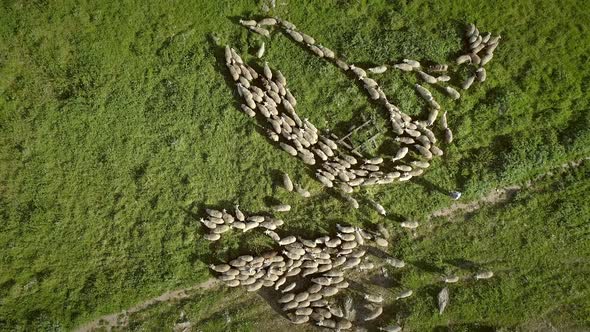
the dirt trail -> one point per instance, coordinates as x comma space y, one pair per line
120, 319
496, 196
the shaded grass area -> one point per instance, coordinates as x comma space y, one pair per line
117, 128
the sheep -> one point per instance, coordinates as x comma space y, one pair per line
261, 50
373, 93
350, 263
295, 35
463, 59
303, 311
373, 298
329, 291
410, 224
345, 229
427, 78
221, 268
343, 324
238, 225
480, 74
443, 78
413, 63
327, 323
468, 82
451, 279
287, 240
486, 58
341, 64
221, 229
436, 151
260, 31
214, 213
391, 328
250, 225
470, 30
358, 71
484, 275
374, 313
443, 300
307, 39
404, 67
267, 21
475, 59
328, 53
454, 94
208, 223
289, 287
403, 151
423, 92
234, 73
432, 115
438, 68
267, 72
232, 283
348, 245
288, 148
248, 23
345, 187
324, 180
397, 263
404, 294
405, 177
286, 298
228, 55
298, 319
381, 242
290, 305
378, 69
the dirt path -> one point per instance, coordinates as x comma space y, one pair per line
120, 319
496, 196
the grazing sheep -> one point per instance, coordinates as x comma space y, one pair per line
260, 31
248, 23
298, 319
295, 35
475, 59
484, 275
342, 65
267, 21
427, 78
404, 67
443, 300
480, 74
463, 59
454, 94
438, 68
448, 136
443, 78
261, 50
423, 92
238, 225
402, 152
381, 242
358, 71
378, 70
288, 148
287, 183
470, 30
432, 115
486, 58
397, 263
373, 298
413, 63
287, 240
267, 72
404, 294
316, 50
468, 82
214, 213
289, 287
410, 224
221, 268
374, 313
451, 279
328, 53
390, 328
436, 151
228, 55
250, 225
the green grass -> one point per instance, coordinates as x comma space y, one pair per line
117, 126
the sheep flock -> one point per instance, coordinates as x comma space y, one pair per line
309, 276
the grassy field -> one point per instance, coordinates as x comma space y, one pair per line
117, 126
